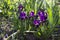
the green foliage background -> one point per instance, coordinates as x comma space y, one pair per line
10, 11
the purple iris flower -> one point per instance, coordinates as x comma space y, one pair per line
42, 15
20, 7
31, 13
36, 22
6, 35
22, 15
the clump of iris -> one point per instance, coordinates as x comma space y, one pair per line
41, 14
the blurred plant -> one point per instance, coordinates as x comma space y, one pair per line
32, 15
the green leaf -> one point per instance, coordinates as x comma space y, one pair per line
42, 29
50, 15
